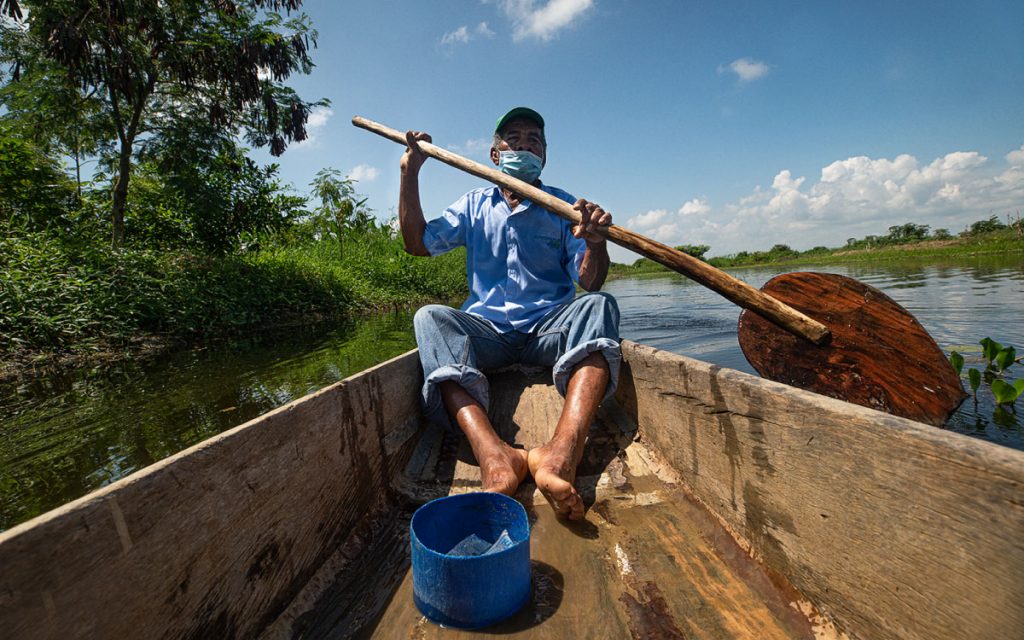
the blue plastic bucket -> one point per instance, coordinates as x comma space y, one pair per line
469, 592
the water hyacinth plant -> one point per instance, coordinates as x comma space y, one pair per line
998, 360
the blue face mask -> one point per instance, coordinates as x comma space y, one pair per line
520, 164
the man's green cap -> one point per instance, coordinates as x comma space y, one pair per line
519, 113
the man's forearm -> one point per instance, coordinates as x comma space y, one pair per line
410, 214
594, 268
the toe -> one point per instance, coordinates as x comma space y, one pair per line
575, 507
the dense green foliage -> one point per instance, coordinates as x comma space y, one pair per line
58, 295
34, 191
114, 78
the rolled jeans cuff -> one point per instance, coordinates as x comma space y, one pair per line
609, 349
470, 379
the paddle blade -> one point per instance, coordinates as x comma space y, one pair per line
879, 356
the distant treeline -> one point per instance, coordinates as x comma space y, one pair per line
1008, 235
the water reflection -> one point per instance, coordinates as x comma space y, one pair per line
62, 436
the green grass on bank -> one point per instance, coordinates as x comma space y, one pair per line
57, 297
1007, 240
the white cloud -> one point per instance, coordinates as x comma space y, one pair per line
363, 173
314, 126
460, 35
1016, 157
463, 35
473, 147
854, 197
746, 69
650, 219
695, 207
543, 22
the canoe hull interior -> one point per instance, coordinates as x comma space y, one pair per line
720, 505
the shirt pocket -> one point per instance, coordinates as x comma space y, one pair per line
547, 233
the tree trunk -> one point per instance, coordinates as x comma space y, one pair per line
78, 169
121, 192
126, 134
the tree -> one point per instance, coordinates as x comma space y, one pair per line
219, 196
909, 232
695, 250
34, 191
45, 108
984, 226
152, 63
339, 209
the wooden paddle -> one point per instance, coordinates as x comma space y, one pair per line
841, 338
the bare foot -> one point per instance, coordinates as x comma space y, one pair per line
553, 467
502, 470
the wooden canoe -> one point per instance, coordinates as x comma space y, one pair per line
720, 505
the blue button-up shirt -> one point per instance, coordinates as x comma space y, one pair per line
521, 264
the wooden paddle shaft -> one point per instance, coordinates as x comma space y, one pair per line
731, 288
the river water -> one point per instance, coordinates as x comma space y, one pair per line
62, 436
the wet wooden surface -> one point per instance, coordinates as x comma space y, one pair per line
646, 563
879, 355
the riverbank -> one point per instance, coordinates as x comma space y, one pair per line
1006, 241
65, 304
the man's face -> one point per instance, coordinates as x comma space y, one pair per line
521, 135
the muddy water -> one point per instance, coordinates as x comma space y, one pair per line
63, 436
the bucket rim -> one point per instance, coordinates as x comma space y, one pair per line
513, 503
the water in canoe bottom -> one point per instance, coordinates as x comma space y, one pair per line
648, 561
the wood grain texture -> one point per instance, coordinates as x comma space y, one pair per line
216, 541
879, 355
893, 528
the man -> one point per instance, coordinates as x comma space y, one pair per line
522, 262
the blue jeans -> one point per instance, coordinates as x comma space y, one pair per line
460, 347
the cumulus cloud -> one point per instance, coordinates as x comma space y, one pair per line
314, 127
544, 21
363, 173
1016, 157
745, 69
695, 207
854, 197
464, 35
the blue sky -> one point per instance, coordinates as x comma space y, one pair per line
738, 125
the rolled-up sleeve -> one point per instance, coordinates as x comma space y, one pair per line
447, 232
